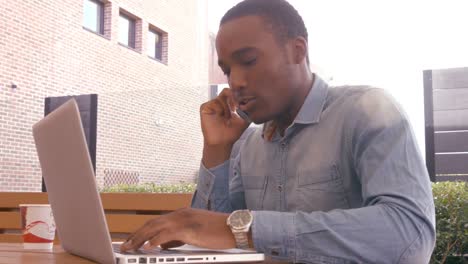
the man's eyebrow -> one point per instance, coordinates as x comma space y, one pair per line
238, 53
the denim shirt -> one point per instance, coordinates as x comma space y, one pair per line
345, 184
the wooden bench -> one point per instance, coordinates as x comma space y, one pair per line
125, 212
446, 112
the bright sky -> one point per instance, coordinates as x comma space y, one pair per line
382, 43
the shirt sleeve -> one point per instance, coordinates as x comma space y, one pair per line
396, 223
220, 188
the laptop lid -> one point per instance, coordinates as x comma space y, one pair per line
69, 177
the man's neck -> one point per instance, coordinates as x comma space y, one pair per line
284, 121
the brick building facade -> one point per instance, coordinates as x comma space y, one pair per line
148, 120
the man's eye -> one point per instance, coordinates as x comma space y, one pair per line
250, 62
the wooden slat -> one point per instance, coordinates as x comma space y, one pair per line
118, 223
456, 141
145, 201
111, 201
452, 178
10, 220
451, 163
451, 120
450, 99
450, 78
13, 199
429, 123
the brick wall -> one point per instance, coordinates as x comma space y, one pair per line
148, 119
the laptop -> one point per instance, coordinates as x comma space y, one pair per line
76, 203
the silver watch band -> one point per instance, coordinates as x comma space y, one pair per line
242, 240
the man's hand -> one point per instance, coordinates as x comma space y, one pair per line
221, 127
185, 226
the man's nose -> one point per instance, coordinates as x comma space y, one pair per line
237, 80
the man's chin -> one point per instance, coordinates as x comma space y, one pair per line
258, 120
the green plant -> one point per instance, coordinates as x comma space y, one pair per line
151, 188
451, 204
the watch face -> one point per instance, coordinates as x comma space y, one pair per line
240, 219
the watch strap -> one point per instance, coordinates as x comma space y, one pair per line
242, 240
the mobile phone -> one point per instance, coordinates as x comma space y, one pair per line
243, 115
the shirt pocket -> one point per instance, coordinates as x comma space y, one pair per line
320, 189
254, 190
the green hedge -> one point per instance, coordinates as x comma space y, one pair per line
451, 202
152, 188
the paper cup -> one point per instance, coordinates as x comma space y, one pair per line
38, 226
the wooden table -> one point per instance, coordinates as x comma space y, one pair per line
15, 253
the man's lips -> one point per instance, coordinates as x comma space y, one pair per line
246, 103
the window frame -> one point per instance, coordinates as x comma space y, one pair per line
99, 19
131, 31
158, 54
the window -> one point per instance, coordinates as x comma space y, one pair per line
155, 40
126, 31
157, 44
93, 16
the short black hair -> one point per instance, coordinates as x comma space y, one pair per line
283, 17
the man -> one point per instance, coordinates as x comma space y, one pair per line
334, 175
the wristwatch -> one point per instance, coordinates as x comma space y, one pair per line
240, 221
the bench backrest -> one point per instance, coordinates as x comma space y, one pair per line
125, 212
446, 121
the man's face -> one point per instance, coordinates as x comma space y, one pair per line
258, 68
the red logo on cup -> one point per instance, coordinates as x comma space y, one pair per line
37, 223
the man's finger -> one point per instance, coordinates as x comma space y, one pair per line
172, 244
228, 102
137, 239
162, 237
206, 109
212, 107
232, 104
226, 113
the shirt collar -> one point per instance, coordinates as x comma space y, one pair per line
313, 105
310, 110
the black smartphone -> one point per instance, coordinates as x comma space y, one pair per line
243, 115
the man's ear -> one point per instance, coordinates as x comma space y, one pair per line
300, 49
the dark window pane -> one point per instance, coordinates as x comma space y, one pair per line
159, 43
131, 34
